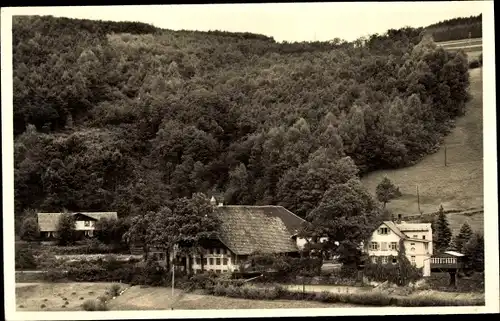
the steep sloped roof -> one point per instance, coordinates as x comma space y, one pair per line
47, 222
265, 229
399, 229
414, 227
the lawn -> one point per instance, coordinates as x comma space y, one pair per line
459, 185
153, 298
31, 296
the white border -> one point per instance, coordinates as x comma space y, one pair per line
490, 205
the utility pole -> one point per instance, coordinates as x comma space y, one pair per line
173, 272
418, 201
445, 163
470, 38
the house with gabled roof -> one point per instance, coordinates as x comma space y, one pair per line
417, 238
84, 222
244, 230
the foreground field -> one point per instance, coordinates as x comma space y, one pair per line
52, 296
459, 185
30, 297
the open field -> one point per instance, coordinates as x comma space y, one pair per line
31, 296
459, 185
473, 48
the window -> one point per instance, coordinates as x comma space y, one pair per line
211, 261
412, 244
384, 259
412, 249
384, 230
423, 237
224, 261
206, 261
198, 261
394, 260
412, 260
426, 246
374, 246
217, 261
214, 251
374, 259
415, 236
394, 246
161, 256
217, 271
384, 246
87, 223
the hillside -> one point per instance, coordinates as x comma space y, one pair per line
457, 186
457, 29
127, 117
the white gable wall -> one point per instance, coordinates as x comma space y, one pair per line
416, 252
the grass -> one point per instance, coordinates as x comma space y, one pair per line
456, 186
30, 297
153, 298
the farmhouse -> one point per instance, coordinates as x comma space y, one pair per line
85, 222
417, 238
244, 230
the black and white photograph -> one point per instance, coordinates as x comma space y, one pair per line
264, 159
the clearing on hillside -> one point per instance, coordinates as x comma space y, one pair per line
459, 185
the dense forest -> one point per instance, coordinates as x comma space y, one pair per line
126, 117
457, 28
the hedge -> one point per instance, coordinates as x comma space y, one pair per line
369, 298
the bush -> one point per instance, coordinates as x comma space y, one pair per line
95, 305
285, 267
474, 64
115, 290
25, 259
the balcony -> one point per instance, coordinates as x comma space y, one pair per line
445, 263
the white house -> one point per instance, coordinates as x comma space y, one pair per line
84, 222
417, 238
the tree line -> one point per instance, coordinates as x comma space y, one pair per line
457, 28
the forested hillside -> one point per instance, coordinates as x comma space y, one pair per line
126, 117
457, 28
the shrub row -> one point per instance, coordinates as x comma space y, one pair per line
370, 298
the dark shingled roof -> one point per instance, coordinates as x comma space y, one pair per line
47, 222
265, 229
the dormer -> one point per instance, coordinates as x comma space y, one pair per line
383, 230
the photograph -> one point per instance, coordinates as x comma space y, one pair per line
265, 159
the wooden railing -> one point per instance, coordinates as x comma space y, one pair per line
443, 260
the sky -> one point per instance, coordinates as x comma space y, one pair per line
283, 21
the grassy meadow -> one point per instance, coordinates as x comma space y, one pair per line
459, 185
57, 296
31, 297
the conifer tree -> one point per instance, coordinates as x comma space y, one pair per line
464, 235
442, 231
474, 252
